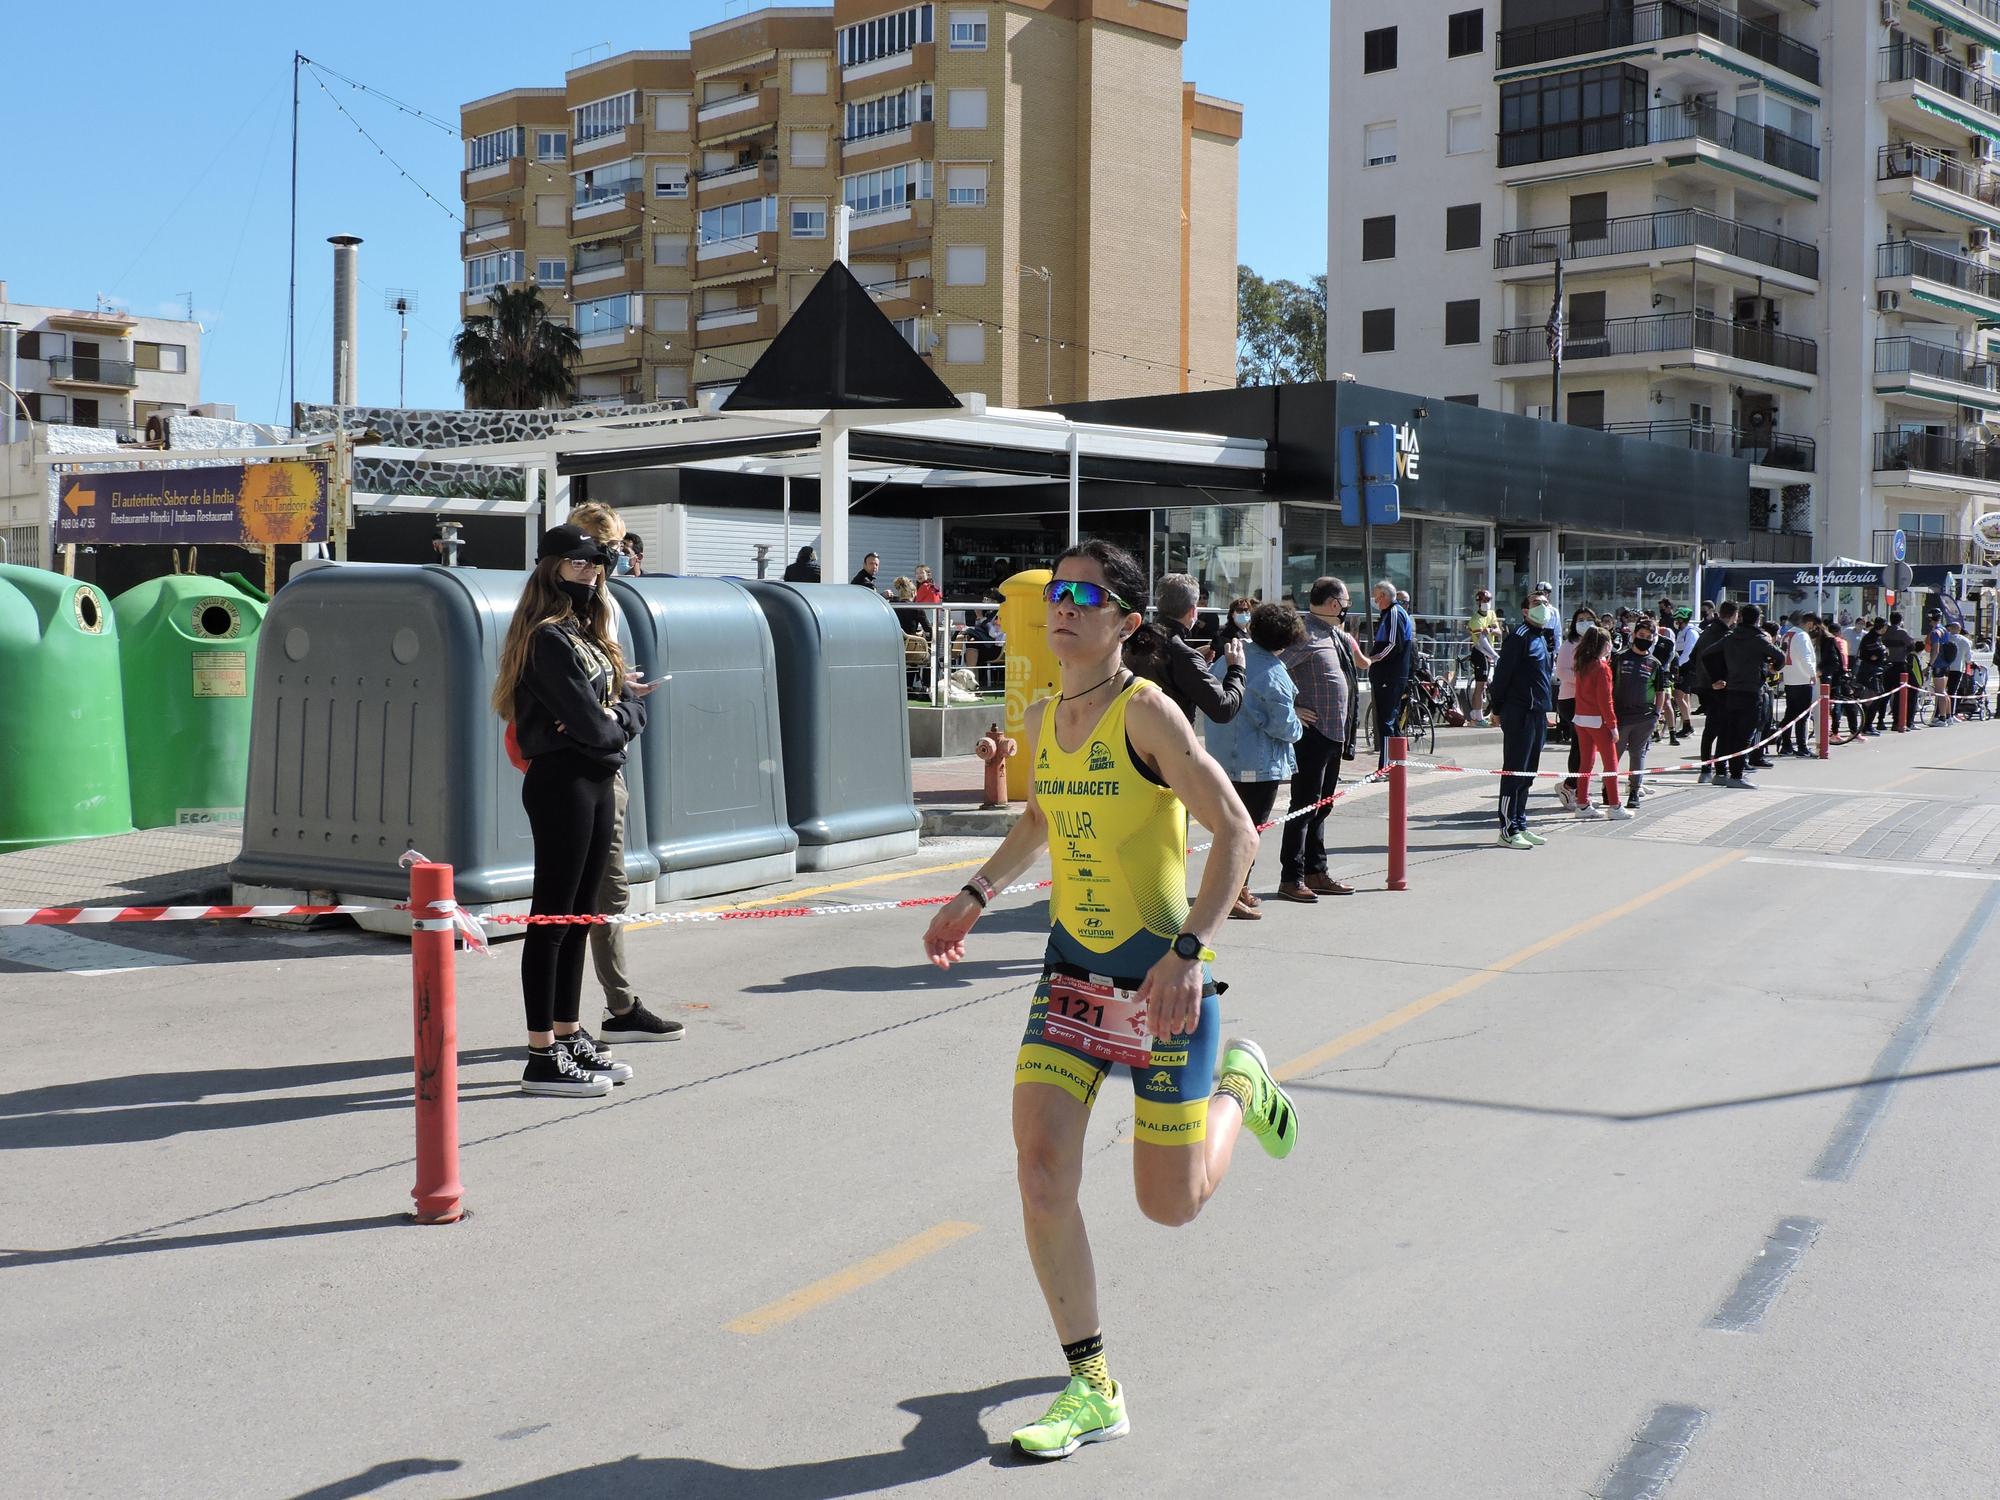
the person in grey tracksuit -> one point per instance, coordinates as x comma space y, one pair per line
1638, 678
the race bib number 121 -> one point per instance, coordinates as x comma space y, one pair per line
1095, 1016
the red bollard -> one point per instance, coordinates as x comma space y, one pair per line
435, 1011
1903, 704
1825, 720
1399, 813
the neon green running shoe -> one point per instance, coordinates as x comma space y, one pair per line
1079, 1415
1270, 1117
1535, 840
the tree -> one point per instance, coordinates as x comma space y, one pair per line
1280, 330
513, 356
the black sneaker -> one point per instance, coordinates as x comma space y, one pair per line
640, 1025
556, 1072
584, 1052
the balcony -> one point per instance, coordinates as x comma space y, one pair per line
497, 180
1629, 26
1931, 549
1977, 19
608, 210
737, 183
1924, 91
1665, 124
902, 299
89, 370
885, 73
1661, 333
1935, 372
740, 114
725, 257
625, 275
1936, 453
1646, 235
918, 138
1939, 277
735, 325
906, 224
1936, 190
1770, 450
502, 236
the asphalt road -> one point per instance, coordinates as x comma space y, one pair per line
1599, 1192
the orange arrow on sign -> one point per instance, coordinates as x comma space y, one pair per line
77, 496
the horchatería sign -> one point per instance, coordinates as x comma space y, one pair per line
247, 505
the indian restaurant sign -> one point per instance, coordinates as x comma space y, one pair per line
247, 505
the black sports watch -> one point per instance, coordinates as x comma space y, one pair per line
1191, 948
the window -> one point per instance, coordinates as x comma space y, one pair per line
809, 75
738, 221
965, 186
1701, 415
1585, 409
551, 211
1461, 227
1588, 216
808, 148
670, 249
1461, 322
670, 112
1571, 114
968, 30
1378, 330
670, 383
1378, 50
1920, 523
965, 344
602, 117
484, 272
1586, 322
1378, 238
808, 220
598, 255
602, 184
1465, 131
168, 359
1378, 144
670, 179
885, 36
670, 314
892, 187
494, 147
965, 109
552, 272
889, 112
1465, 33
604, 315
1463, 400
40, 346
965, 265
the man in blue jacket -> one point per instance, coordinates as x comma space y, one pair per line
1520, 697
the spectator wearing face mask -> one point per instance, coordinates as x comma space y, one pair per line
1639, 683
1235, 627
1482, 632
1519, 700
1579, 622
1596, 721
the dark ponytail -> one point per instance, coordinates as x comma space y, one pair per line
1146, 648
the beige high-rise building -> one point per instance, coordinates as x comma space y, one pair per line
1042, 205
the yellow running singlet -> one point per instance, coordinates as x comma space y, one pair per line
1117, 840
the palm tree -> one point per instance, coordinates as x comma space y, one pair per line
513, 356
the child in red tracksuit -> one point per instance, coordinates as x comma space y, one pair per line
1596, 724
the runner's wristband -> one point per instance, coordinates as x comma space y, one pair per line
973, 889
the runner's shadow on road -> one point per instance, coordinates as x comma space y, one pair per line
948, 1437
889, 979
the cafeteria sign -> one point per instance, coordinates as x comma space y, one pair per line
250, 505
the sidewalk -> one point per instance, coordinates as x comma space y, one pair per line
153, 867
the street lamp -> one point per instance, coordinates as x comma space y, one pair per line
1048, 280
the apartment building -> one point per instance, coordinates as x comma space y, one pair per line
1040, 202
1773, 220
101, 368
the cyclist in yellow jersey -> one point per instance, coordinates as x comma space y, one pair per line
1116, 773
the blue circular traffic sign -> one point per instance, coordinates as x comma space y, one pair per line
1900, 546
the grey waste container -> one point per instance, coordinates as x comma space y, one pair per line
714, 770
843, 708
372, 733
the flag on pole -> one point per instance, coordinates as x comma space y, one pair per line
1555, 323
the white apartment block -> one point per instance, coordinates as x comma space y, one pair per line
1776, 224
103, 368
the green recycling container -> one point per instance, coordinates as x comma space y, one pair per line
187, 648
62, 713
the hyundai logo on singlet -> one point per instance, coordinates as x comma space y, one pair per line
1100, 757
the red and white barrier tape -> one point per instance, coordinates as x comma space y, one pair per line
1444, 769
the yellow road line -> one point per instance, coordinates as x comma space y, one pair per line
1320, 1056
848, 885
860, 1274
1905, 780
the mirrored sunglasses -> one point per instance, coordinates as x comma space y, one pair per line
1082, 595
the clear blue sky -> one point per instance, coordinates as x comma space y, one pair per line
188, 135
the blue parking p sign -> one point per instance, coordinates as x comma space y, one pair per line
1760, 591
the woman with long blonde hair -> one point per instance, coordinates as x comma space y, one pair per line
574, 706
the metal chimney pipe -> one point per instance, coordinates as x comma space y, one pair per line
10, 374
345, 280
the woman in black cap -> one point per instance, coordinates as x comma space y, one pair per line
574, 706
